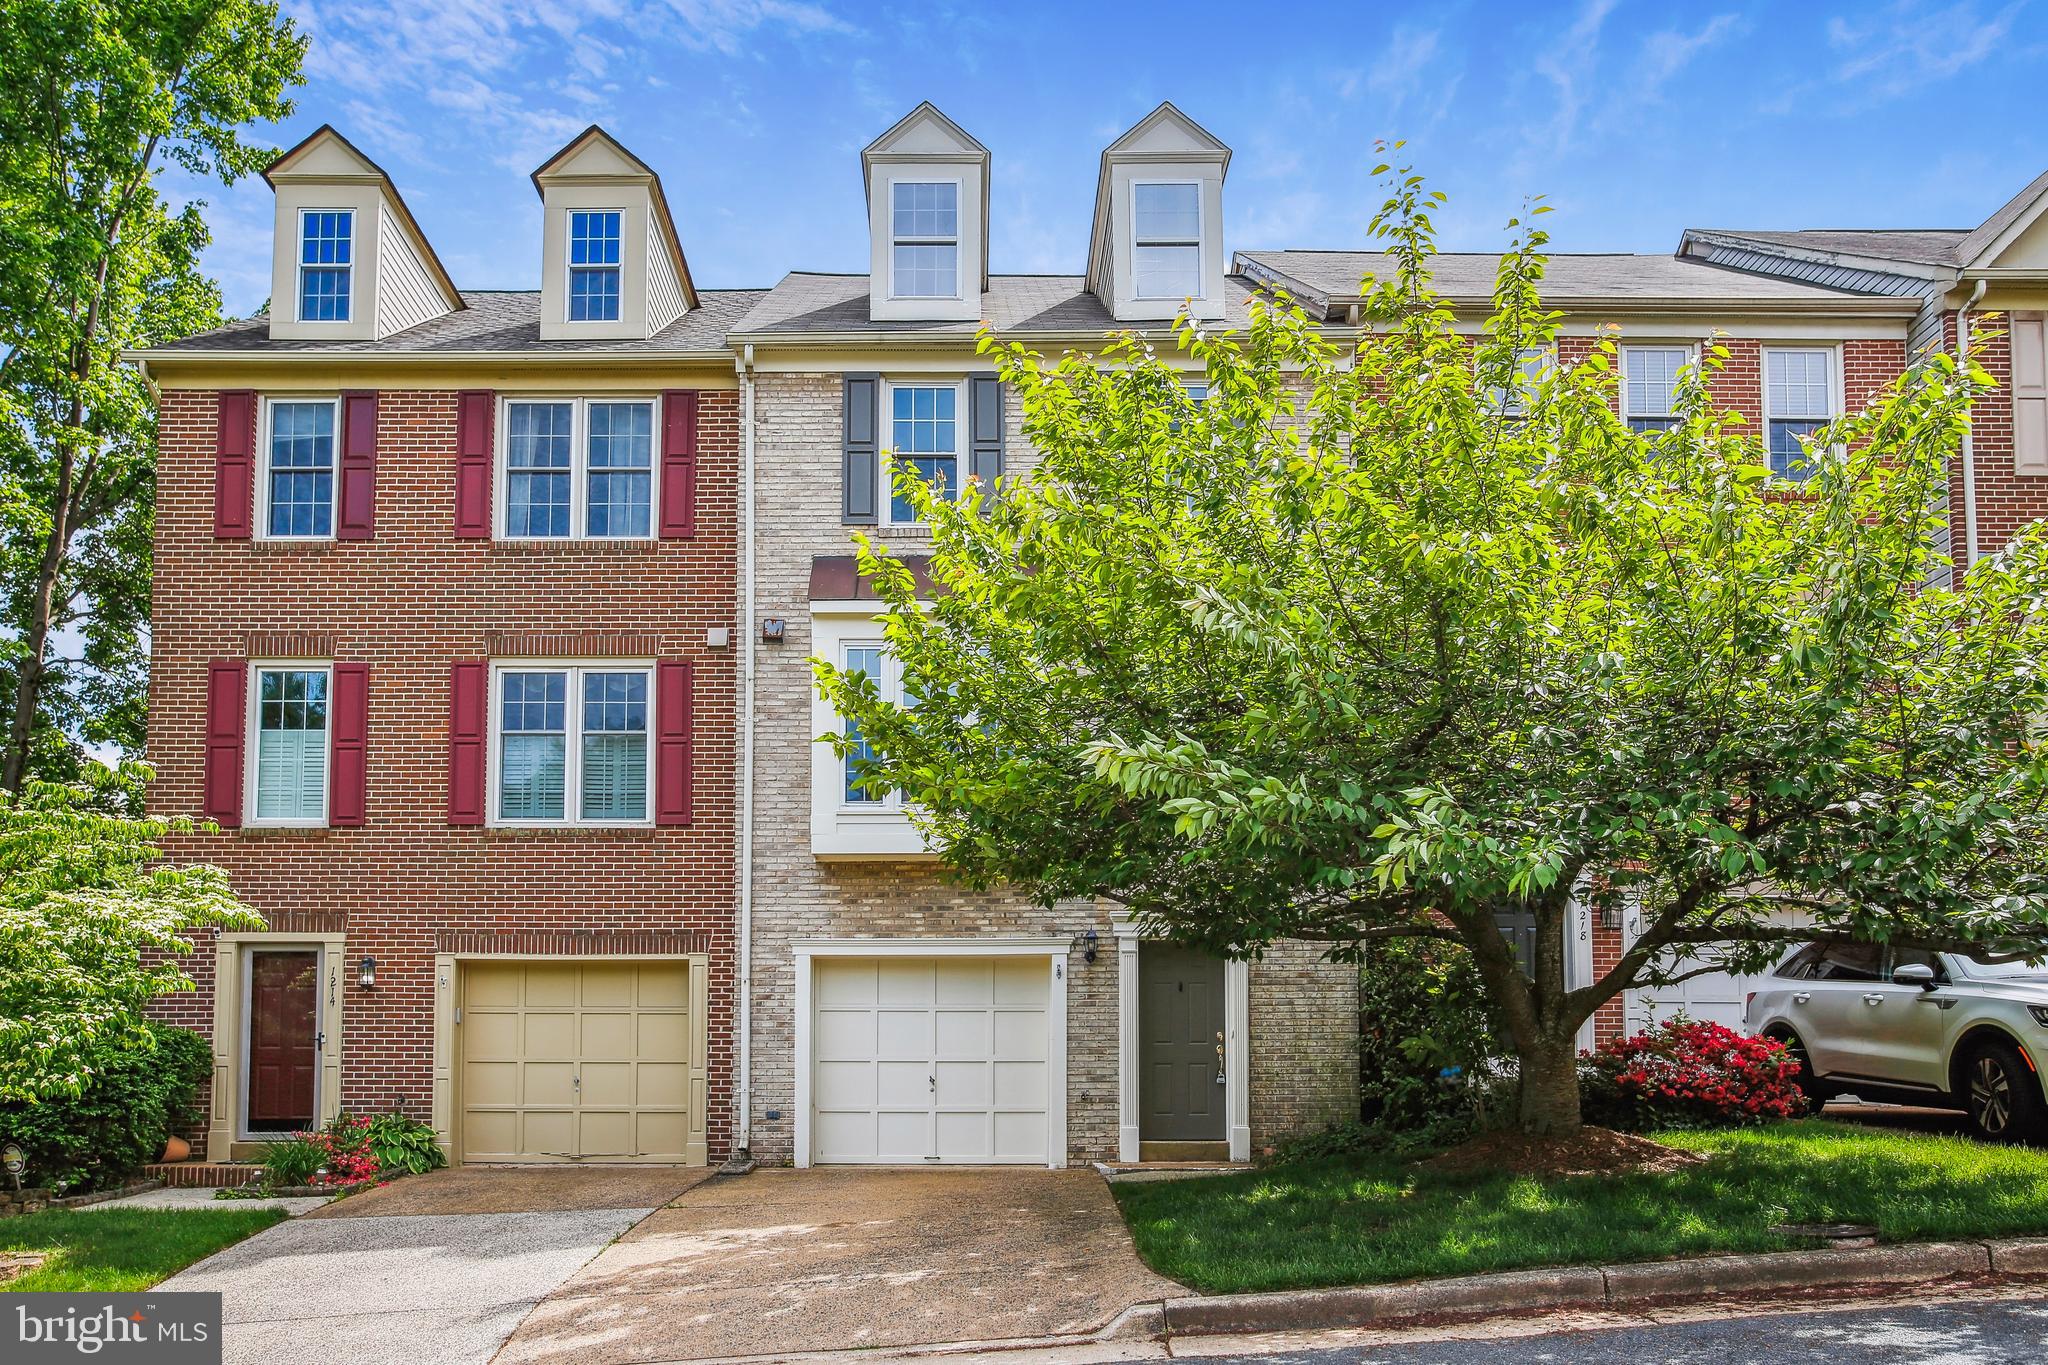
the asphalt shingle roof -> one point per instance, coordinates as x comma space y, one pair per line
1920, 246
1459, 275
805, 303
495, 320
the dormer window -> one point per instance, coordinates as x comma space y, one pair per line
326, 242
1166, 245
925, 239
594, 266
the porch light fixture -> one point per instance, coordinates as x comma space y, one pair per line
772, 628
1610, 917
1089, 941
366, 973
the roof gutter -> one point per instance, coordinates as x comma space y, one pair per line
182, 355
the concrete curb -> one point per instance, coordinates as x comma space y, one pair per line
1575, 1287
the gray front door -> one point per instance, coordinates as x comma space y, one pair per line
1180, 1045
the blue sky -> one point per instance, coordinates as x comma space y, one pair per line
1635, 119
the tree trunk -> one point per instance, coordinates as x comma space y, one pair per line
1549, 1099
28, 683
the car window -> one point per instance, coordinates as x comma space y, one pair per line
1799, 967
1847, 962
1918, 957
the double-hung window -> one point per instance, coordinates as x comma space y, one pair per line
1650, 385
1799, 399
572, 744
297, 483
578, 468
288, 761
924, 431
594, 265
1512, 403
326, 251
924, 239
869, 659
1166, 240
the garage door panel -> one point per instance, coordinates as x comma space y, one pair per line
662, 987
1019, 1035
904, 1033
577, 1059
1019, 1136
961, 1085
846, 1085
900, 1085
951, 1062
845, 984
962, 1033
549, 1036
903, 982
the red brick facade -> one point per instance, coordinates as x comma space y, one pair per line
408, 603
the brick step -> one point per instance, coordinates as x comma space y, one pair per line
203, 1174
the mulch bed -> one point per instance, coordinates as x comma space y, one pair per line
1589, 1151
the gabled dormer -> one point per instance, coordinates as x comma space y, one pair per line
1157, 241
927, 188
348, 263
612, 267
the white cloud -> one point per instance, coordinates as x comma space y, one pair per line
1399, 72
1906, 46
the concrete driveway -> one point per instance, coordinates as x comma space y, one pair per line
435, 1268
785, 1261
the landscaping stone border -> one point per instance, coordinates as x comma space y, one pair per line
1577, 1287
34, 1199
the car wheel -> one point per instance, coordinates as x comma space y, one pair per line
2000, 1093
1808, 1083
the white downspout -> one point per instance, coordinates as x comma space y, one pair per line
1969, 452
750, 635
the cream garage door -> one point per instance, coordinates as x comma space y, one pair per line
575, 1060
926, 1060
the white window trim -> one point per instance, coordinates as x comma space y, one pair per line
1201, 242
959, 254
805, 952
1836, 390
842, 828
572, 755
1512, 403
1692, 358
263, 430
569, 266
579, 467
890, 685
252, 716
963, 425
299, 269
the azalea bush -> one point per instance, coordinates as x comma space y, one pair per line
1692, 1074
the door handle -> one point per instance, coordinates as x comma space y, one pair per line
1873, 999
320, 1041
1801, 997
1220, 1079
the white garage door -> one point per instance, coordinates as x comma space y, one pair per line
1714, 996
926, 1060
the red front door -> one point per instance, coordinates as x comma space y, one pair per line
284, 1007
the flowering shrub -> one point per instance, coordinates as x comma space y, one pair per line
350, 1152
1691, 1074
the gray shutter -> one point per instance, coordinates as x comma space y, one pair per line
985, 403
859, 449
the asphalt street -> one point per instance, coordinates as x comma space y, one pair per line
1988, 1332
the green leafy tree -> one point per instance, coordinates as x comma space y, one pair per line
1382, 640
93, 923
97, 99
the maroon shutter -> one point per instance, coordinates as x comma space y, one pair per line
468, 713
474, 412
351, 721
674, 702
355, 495
679, 464
234, 465
225, 717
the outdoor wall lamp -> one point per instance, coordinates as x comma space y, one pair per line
1088, 942
772, 628
366, 973
1610, 917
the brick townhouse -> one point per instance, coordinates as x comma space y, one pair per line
484, 620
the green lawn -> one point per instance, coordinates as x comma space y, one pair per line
123, 1249
1366, 1219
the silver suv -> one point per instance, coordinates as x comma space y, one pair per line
1910, 1027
